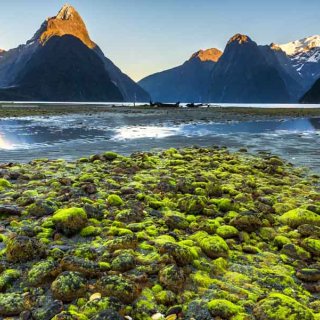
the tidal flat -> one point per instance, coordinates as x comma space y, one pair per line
190, 233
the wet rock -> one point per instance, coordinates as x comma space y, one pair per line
295, 252
312, 245
70, 221
129, 241
118, 287
223, 308
309, 275
176, 221
42, 208
249, 222
93, 212
123, 262
172, 278
42, 271
22, 249
68, 286
83, 266
181, 254
277, 306
227, 232
197, 309
10, 210
308, 230
48, 311
108, 315
12, 304
212, 246
297, 217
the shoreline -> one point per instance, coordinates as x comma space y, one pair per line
190, 233
212, 113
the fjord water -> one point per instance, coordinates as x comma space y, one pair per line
74, 136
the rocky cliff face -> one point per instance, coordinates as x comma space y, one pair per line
89, 64
243, 75
188, 82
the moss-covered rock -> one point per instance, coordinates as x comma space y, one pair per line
115, 200
8, 277
124, 262
12, 304
41, 272
278, 306
118, 287
223, 308
297, 217
312, 245
213, 246
22, 249
172, 278
68, 286
227, 232
42, 208
70, 221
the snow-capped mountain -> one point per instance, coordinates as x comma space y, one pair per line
305, 57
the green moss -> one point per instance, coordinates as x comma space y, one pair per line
90, 231
115, 200
223, 204
41, 272
312, 245
227, 232
277, 306
223, 308
109, 155
280, 241
5, 184
298, 217
213, 246
70, 221
8, 277
11, 304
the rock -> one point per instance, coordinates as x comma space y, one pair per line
197, 309
212, 246
181, 254
247, 222
107, 315
157, 316
172, 277
278, 306
70, 221
42, 208
118, 287
295, 252
250, 249
110, 156
309, 275
297, 217
48, 311
312, 245
95, 296
10, 210
123, 262
11, 304
22, 249
128, 241
223, 308
93, 212
174, 310
308, 230
41, 272
176, 220
83, 266
115, 200
227, 232
68, 286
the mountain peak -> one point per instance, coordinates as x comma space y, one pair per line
240, 38
66, 22
300, 46
66, 12
212, 54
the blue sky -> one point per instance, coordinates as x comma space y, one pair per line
146, 36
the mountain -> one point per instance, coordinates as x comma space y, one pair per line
305, 57
313, 95
61, 63
244, 75
188, 82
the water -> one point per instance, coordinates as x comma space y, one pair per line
75, 136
